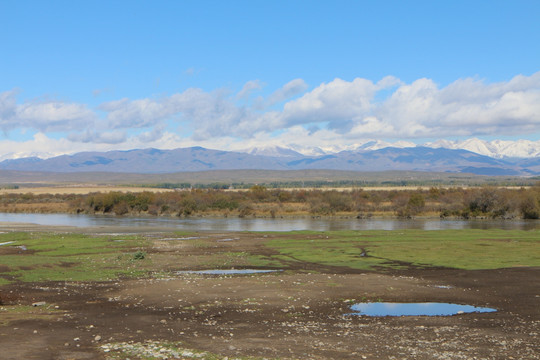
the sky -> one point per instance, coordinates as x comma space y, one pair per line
103, 75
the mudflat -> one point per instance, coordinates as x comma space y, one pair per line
300, 311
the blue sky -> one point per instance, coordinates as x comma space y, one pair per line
100, 75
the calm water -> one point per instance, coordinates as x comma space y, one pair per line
415, 309
237, 224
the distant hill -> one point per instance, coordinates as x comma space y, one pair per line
147, 161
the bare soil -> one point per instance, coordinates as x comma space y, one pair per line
298, 313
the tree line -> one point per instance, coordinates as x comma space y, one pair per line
477, 202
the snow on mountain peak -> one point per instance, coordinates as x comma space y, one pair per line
495, 148
276, 151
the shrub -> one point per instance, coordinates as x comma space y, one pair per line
416, 203
139, 255
530, 208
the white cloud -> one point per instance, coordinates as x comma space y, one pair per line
125, 113
8, 106
43, 116
150, 136
337, 114
338, 103
248, 89
54, 116
464, 108
98, 137
292, 88
42, 146
420, 109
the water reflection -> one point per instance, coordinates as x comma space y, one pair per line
237, 224
415, 309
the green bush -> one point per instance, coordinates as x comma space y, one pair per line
139, 255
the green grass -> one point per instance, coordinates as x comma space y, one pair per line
74, 257
463, 249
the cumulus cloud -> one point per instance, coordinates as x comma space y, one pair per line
98, 137
338, 103
43, 116
463, 108
337, 112
41, 145
292, 88
125, 113
54, 116
8, 108
211, 114
249, 88
419, 109
150, 136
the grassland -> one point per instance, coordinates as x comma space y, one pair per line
269, 178
117, 296
35, 256
77, 189
461, 249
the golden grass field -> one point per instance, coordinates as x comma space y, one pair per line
89, 188
79, 190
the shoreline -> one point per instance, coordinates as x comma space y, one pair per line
152, 308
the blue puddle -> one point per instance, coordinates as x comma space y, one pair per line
415, 309
227, 272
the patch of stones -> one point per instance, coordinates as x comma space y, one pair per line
156, 350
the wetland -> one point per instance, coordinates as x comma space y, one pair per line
110, 292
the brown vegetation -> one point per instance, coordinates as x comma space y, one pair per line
487, 202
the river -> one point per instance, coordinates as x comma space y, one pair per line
248, 224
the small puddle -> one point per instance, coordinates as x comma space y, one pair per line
442, 286
226, 272
224, 240
415, 309
181, 238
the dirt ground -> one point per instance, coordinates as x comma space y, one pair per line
301, 312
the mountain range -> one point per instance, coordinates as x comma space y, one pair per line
418, 158
500, 149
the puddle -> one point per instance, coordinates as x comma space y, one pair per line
415, 309
222, 240
226, 272
443, 286
113, 234
7, 243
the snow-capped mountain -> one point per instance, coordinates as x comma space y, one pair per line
418, 158
296, 150
378, 144
276, 151
29, 154
497, 148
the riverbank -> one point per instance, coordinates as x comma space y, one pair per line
259, 202
149, 309
135, 224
